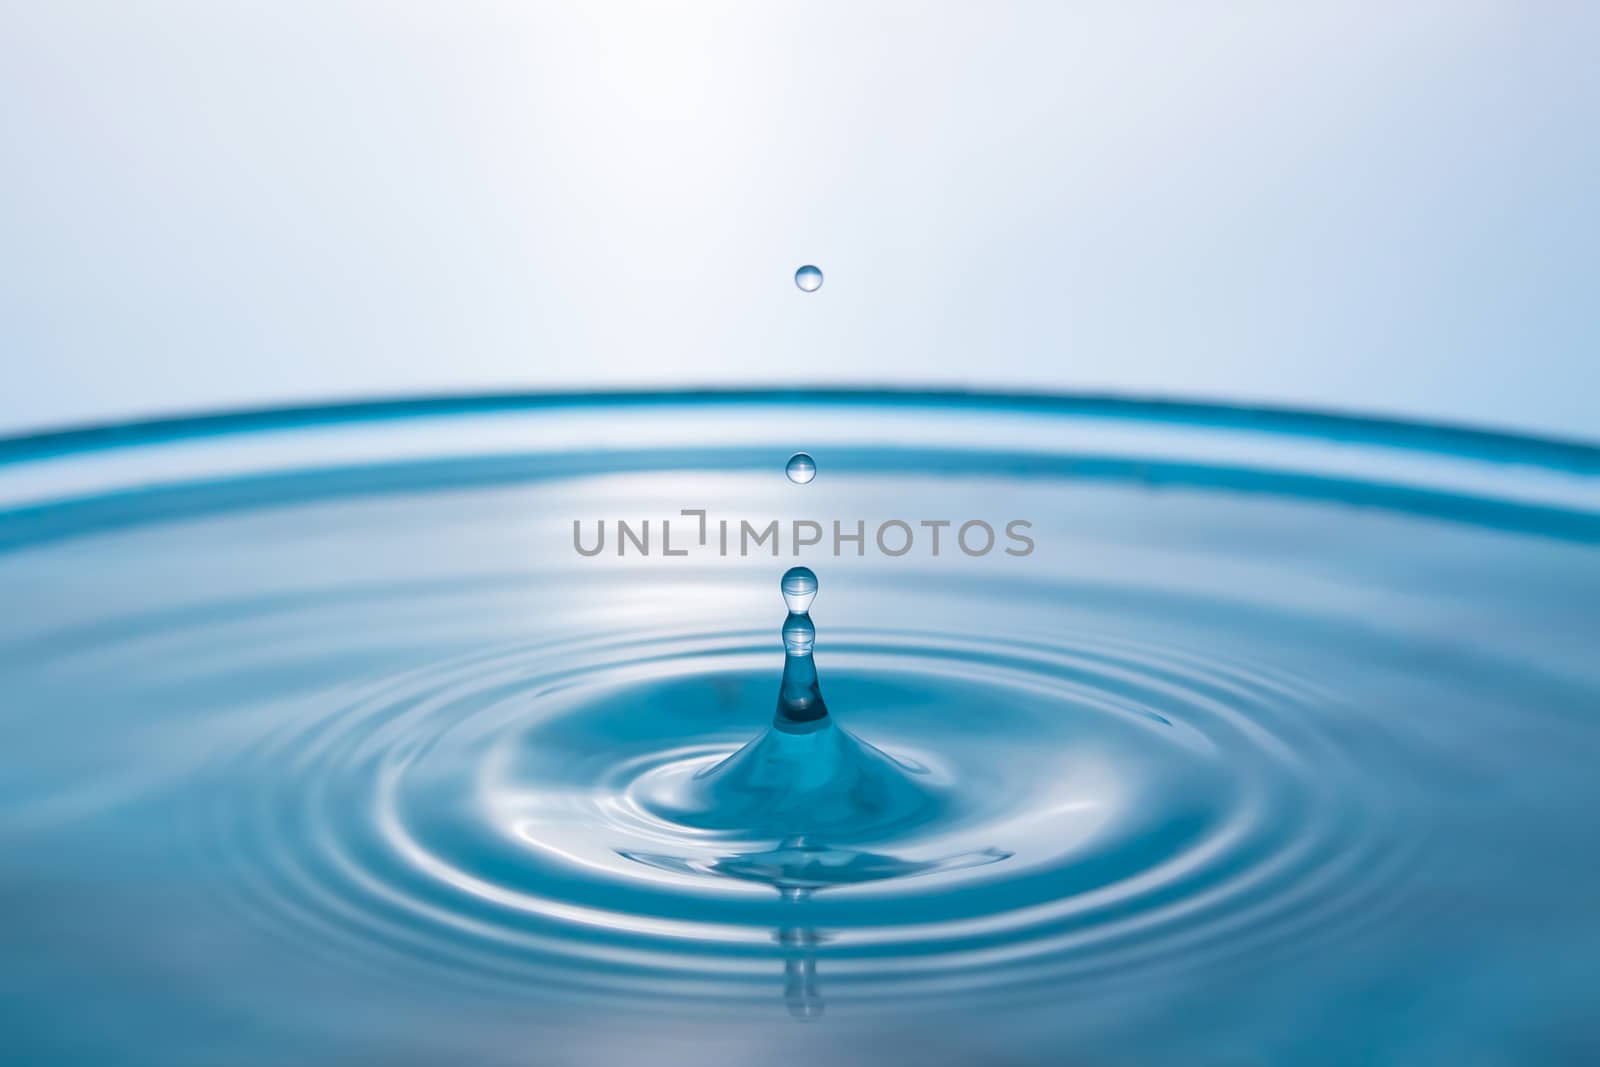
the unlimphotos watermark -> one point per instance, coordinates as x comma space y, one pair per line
797, 537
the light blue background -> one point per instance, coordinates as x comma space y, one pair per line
1389, 207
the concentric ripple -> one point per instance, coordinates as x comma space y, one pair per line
1079, 830
358, 748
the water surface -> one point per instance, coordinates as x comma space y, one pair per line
319, 743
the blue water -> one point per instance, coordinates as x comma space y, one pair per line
339, 752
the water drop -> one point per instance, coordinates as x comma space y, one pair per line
799, 587
799, 634
808, 278
801, 468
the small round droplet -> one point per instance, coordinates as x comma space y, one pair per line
801, 468
808, 278
799, 587
799, 634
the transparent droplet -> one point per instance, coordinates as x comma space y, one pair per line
801, 468
798, 635
808, 278
799, 587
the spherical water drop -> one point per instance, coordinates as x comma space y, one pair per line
808, 278
801, 468
799, 587
799, 635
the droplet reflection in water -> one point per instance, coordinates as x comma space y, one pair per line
808, 278
801, 468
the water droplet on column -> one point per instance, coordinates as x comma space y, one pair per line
799, 587
799, 634
808, 278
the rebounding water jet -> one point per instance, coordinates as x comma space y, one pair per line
806, 780
801, 708
804, 775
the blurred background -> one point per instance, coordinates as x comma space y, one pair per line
1359, 206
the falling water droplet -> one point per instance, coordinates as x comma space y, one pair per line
801, 468
808, 278
799, 587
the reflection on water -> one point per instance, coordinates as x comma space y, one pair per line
797, 868
800, 992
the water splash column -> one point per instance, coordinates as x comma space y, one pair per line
801, 708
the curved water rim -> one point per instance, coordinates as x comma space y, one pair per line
55, 483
